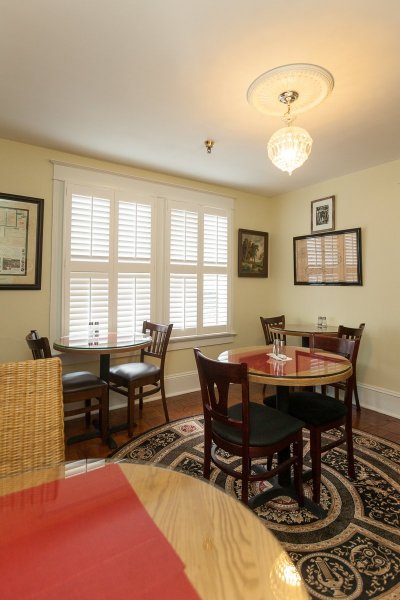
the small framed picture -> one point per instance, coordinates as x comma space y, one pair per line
323, 214
252, 253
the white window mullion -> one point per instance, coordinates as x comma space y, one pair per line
113, 272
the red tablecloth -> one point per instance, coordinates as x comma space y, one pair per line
86, 537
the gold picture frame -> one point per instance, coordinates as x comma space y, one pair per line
252, 253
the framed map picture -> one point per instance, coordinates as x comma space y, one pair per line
21, 234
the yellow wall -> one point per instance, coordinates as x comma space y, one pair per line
27, 170
368, 199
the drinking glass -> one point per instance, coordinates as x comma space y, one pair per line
275, 347
320, 319
281, 348
323, 322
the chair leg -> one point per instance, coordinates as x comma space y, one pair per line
315, 451
298, 471
207, 453
350, 449
103, 415
245, 480
164, 401
88, 403
141, 399
131, 411
356, 395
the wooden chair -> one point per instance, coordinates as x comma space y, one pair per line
270, 336
350, 333
266, 323
80, 386
246, 429
322, 413
126, 378
31, 415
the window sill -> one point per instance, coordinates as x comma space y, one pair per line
210, 339
178, 343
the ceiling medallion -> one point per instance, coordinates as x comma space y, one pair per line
303, 85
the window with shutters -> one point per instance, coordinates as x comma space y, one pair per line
131, 255
198, 269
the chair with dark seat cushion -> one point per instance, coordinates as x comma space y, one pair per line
351, 333
269, 335
245, 429
322, 413
80, 386
128, 377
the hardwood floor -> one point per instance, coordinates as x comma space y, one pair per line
187, 405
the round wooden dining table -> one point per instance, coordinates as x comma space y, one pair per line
303, 367
103, 345
304, 330
135, 531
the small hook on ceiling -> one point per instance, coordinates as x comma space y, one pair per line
209, 144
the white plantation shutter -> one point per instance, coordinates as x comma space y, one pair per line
134, 232
183, 302
134, 294
132, 253
90, 228
198, 297
88, 301
184, 237
215, 240
108, 262
215, 300
215, 284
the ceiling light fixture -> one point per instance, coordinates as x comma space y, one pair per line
306, 85
289, 147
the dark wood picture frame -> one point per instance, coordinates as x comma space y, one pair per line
252, 253
331, 258
323, 214
21, 241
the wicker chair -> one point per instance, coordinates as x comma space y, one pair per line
31, 415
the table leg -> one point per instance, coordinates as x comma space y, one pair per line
104, 375
104, 366
282, 484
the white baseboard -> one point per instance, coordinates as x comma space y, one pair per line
175, 385
380, 400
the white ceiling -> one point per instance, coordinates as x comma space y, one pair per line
145, 82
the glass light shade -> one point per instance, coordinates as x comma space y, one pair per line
289, 148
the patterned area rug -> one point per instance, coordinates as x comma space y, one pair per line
354, 552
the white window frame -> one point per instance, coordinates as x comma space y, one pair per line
160, 195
